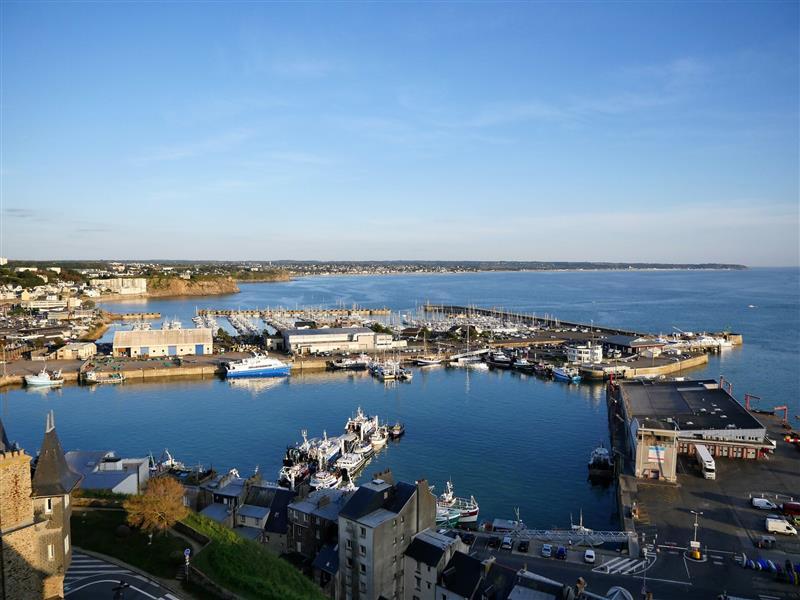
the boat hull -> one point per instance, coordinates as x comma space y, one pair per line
266, 372
34, 382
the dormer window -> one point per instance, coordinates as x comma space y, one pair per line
48, 505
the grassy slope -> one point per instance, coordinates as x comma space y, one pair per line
247, 567
95, 530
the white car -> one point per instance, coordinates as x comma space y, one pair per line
547, 550
763, 504
588, 556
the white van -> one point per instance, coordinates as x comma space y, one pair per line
780, 526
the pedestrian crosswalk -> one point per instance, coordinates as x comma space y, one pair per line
621, 565
83, 565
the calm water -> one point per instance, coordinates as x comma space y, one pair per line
508, 439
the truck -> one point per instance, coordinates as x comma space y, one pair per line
780, 526
705, 461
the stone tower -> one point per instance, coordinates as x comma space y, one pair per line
35, 545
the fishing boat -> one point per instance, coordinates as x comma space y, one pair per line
498, 360
600, 464
258, 365
95, 377
447, 517
405, 375
322, 480
523, 364
165, 463
567, 374
350, 462
397, 430
290, 477
45, 379
353, 364
362, 425
468, 508
379, 438
364, 449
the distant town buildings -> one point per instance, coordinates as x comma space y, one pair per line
35, 545
123, 286
584, 353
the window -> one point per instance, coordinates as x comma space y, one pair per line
429, 585
51, 552
394, 522
48, 505
66, 544
349, 563
66, 501
362, 587
363, 532
402, 519
402, 538
363, 549
394, 560
349, 544
363, 567
417, 583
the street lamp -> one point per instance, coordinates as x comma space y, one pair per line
695, 544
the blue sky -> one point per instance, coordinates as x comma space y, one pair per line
519, 131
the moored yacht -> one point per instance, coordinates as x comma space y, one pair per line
498, 360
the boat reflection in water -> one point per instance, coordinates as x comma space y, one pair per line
256, 385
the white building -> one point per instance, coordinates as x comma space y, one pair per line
338, 339
163, 342
122, 285
106, 471
585, 353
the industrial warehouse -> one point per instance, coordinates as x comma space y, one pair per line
163, 342
338, 339
667, 418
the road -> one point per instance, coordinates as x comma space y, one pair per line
89, 578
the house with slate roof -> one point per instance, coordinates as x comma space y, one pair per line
424, 560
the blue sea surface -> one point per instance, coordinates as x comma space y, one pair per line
508, 439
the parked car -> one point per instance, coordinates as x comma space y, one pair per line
494, 542
467, 538
561, 553
523, 546
588, 556
763, 504
547, 550
507, 544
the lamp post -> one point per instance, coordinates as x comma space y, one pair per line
695, 545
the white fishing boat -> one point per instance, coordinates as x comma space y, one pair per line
350, 462
468, 508
45, 379
325, 479
379, 438
291, 476
364, 448
447, 517
428, 361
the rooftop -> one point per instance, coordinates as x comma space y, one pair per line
686, 405
376, 495
160, 337
328, 331
52, 476
428, 547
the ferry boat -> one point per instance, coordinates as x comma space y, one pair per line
567, 374
325, 479
95, 377
447, 517
45, 379
353, 364
258, 365
468, 508
498, 360
600, 464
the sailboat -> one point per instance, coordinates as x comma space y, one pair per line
427, 360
